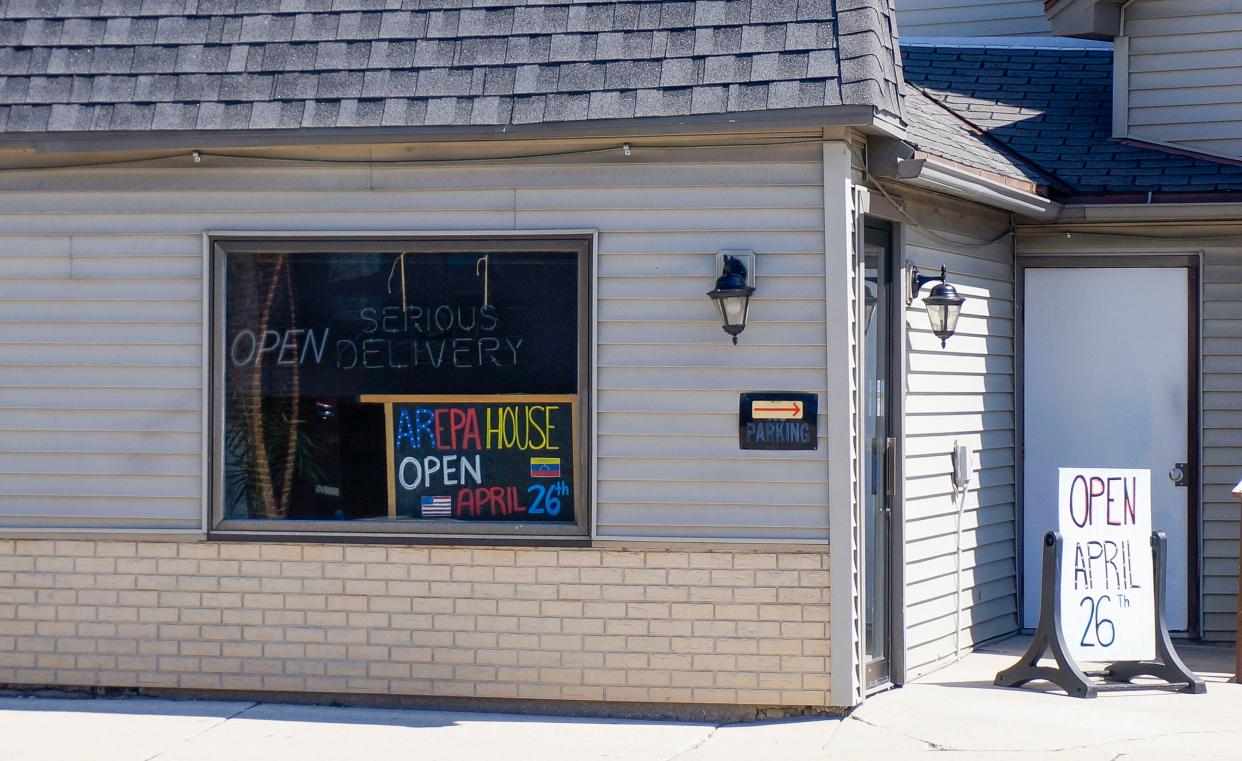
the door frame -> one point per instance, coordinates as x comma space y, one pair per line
1192, 262
896, 608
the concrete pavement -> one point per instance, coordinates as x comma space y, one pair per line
958, 710
41, 729
954, 713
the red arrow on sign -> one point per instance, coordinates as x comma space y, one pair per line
776, 409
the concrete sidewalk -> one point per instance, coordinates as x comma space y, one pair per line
958, 710
137, 729
955, 713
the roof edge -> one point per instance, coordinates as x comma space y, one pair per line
862, 117
934, 173
1014, 43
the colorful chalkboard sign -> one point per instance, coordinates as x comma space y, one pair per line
481, 458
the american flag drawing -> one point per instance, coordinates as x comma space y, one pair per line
545, 467
436, 507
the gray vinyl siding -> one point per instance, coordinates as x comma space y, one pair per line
963, 392
1221, 362
1222, 437
972, 18
101, 320
1185, 73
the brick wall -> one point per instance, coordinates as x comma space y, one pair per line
652, 626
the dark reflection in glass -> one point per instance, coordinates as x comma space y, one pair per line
306, 335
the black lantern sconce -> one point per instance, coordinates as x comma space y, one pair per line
732, 296
943, 304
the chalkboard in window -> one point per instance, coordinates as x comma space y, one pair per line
481, 458
307, 333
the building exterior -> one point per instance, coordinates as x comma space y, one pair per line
990, 18
366, 350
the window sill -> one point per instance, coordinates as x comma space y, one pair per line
444, 540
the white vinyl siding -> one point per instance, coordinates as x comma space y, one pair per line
101, 315
1185, 73
962, 392
1221, 424
972, 18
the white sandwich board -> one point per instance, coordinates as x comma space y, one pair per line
1107, 600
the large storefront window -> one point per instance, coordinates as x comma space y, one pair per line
394, 385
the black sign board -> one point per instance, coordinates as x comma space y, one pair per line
778, 420
481, 458
332, 324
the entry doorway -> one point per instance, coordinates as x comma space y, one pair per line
880, 413
1111, 380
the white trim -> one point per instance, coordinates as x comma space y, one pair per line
593, 329
1121, 88
474, 233
206, 356
932, 175
817, 545
845, 680
1026, 43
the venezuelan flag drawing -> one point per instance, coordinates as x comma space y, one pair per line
545, 467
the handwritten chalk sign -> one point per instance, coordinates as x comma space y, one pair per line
481, 458
1107, 601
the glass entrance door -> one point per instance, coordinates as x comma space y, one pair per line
878, 393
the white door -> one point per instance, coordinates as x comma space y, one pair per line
1106, 385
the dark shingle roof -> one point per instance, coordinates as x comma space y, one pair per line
1053, 109
933, 129
85, 65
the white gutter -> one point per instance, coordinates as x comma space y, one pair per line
931, 175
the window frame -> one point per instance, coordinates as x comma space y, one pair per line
219, 245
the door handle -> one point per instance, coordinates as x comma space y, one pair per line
890, 466
1179, 474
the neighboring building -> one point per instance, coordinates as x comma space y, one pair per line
1176, 73
362, 351
972, 18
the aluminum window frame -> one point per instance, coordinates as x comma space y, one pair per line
218, 245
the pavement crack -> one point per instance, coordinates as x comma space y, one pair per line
682, 753
1145, 738
204, 731
930, 745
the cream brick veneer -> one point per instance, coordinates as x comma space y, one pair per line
661, 626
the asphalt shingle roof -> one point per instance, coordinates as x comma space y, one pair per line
99, 65
933, 129
1052, 108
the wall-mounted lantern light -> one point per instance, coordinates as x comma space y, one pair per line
943, 304
732, 296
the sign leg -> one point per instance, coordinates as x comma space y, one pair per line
1066, 674
1167, 665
